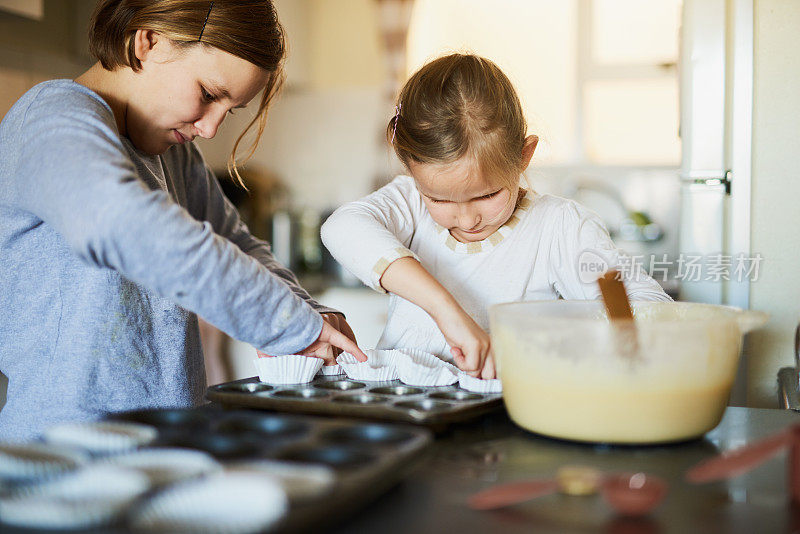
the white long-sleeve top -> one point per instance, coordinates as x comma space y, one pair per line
550, 248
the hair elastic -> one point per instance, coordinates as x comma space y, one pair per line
396, 118
210, 7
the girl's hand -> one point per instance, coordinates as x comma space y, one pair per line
489, 370
338, 321
329, 341
336, 336
487, 373
470, 344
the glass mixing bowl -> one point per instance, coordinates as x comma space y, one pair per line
568, 372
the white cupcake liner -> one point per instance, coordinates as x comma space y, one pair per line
26, 462
102, 437
288, 369
167, 465
379, 367
420, 368
479, 385
89, 497
299, 481
226, 502
331, 370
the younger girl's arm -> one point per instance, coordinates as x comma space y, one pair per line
407, 278
370, 238
367, 235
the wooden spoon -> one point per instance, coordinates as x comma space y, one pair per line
618, 308
614, 296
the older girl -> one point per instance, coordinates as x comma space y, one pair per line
460, 233
114, 234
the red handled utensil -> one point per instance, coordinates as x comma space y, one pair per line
628, 493
739, 461
512, 493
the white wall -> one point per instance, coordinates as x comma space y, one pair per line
775, 227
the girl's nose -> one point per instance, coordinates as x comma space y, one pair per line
208, 124
468, 218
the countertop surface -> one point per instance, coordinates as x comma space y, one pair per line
472, 457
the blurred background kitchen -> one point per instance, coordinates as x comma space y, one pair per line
676, 121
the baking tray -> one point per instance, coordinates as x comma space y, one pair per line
366, 458
338, 395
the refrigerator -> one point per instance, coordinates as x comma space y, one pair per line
716, 103
716, 94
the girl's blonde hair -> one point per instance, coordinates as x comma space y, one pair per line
247, 29
461, 105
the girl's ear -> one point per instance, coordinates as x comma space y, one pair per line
528, 149
144, 42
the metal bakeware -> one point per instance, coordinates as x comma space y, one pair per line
366, 458
360, 459
342, 396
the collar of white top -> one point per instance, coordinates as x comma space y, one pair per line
493, 240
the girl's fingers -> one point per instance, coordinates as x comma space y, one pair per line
489, 371
337, 339
465, 363
345, 329
458, 357
340, 324
333, 320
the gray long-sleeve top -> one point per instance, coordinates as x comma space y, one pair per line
107, 254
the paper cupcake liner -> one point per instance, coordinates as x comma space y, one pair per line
93, 496
478, 385
299, 481
379, 367
94, 482
226, 502
289, 369
27, 462
331, 370
48, 513
420, 368
167, 465
103, 437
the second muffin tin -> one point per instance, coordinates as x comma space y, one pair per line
365, 458
342, 396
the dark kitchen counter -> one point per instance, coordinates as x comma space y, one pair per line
473, 457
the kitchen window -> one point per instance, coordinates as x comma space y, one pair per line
597, 78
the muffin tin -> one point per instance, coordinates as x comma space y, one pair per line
342, 396
364, 457
332, 466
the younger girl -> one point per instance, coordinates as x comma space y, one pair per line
460, 233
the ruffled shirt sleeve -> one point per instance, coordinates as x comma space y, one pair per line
582, 250
367, 235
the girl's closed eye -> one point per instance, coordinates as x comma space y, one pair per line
490, 195
207, 97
